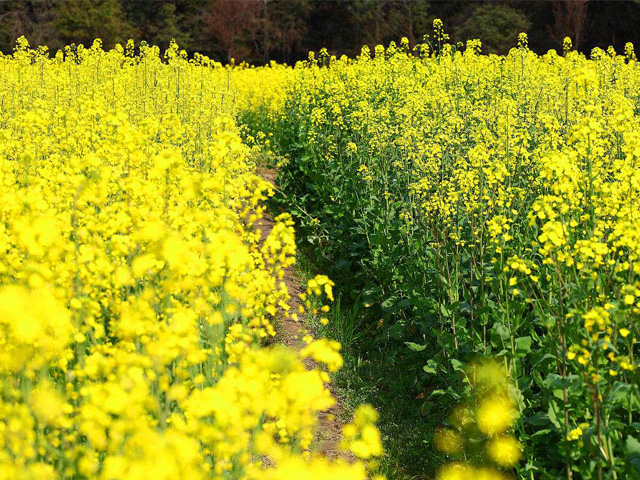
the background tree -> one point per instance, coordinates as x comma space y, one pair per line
497, 25
160, 21
331, 25
570, 17
31, 18
81, 21
281, 28
285, 30
369, 19
230, 22
413, 19
257, 30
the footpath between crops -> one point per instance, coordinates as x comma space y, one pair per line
375, 377
290, 333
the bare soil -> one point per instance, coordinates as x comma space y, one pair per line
290, 333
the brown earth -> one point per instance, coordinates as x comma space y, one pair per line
290, 333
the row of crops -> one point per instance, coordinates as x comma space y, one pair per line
136, 294
484, 206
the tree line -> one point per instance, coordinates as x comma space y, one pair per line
258, 31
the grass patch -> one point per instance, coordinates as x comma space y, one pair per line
382, 376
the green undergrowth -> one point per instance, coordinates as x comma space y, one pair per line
379, 369
384, 378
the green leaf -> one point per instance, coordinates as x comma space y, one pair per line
404, 303
465, 308
556, 384
500, 334
389, 302
538, 419
395, 331
633, 453
415, 347
431, 367
523, 346
547, 358
552, 415
457, 365
515, 392
619, 394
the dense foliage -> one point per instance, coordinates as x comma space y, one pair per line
486, 205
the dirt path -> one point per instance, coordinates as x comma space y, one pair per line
290, 333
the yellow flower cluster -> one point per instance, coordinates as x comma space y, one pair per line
134, 289
480, 428
361, 437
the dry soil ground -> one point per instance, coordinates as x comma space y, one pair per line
289, 333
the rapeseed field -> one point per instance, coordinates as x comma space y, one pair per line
483, 211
